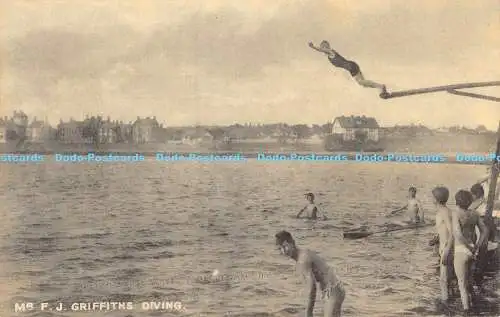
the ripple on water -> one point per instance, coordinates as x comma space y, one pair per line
216, 215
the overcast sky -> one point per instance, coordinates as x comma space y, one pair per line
223, 61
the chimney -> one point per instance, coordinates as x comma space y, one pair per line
154, 117
108, 119
138, 118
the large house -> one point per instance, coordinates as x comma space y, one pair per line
145, 130
124, 132
108, 131
71, 132
195, 135
13, 128
351, 127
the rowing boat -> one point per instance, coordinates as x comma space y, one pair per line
358, 234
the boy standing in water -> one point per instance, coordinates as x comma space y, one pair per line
445, 236
479, 205
486, 180
464, 223
310, 209
414, 207
315, 270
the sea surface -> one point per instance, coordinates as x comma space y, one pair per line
155, 231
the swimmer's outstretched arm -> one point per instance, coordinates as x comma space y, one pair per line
321, 50
300, 212
398, 210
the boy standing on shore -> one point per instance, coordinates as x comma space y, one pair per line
444, 231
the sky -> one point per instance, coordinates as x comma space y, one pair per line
222, 61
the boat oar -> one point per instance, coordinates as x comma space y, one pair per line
363, 234
392, 213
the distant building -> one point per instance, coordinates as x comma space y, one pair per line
124, 132
145, 130
316, 138
351, 127
195, 135
108, 131
14, 128
243, 134
20, 119
17, 126
71, 132
38, 131
481, 129
4, 127
235, 135
283, 133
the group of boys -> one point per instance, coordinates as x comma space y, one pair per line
461, 235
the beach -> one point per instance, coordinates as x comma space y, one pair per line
155, 232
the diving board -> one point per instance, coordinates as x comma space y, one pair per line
448, 88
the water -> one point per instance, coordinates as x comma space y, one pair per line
156, 231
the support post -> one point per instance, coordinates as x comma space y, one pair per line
493, 180
482, 260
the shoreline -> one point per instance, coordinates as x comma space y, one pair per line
201, 155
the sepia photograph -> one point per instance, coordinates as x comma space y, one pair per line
211, 158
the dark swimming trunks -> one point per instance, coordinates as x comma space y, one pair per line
339, 61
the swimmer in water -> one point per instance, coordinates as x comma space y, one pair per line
310, 208
464, 222
315, 270
414, 207
352, 67
444, 231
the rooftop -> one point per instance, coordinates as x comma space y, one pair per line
357, 122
